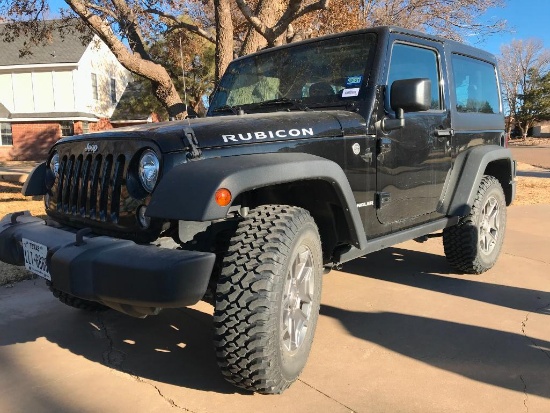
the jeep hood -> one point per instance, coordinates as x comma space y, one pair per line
221, 131
278, 126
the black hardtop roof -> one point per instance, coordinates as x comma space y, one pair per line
453, 45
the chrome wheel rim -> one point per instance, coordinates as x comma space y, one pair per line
489, 227
297, 300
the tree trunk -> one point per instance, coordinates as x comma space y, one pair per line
170, 99
269, 11
224, 38
163, 86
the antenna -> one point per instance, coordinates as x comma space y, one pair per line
184, 86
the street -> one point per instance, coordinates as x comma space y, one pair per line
534, 155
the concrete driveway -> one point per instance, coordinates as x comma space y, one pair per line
398, 333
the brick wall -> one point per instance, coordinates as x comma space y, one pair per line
31, 141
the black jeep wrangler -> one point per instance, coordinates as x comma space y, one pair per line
312, 154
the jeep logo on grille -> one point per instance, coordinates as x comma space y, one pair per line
91, 148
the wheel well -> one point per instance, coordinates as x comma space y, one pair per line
318, 197
501, 169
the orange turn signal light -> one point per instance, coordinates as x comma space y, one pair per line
223, 197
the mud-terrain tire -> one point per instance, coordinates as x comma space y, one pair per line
76, 302
473, 245
267, 299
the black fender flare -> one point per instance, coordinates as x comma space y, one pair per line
186, 192
465, 176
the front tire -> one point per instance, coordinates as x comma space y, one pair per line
267, 299
473, 245
76, 302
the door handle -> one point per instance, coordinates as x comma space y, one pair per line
440, 133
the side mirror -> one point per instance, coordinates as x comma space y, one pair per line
411, 95
407, 95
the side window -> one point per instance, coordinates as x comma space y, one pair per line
475, 85
410, 62
113, 90
95, 93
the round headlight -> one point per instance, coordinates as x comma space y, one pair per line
149, 169
54, 163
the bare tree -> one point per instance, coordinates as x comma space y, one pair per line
454, 19
236, 28
522, 63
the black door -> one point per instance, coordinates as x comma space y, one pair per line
412, 162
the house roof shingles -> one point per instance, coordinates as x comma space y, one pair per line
61, 49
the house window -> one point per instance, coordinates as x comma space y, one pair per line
85, 126
113, 90
67, 128
6, 138
95, 92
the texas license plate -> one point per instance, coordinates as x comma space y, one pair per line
35, 258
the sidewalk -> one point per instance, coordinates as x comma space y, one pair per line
16, 171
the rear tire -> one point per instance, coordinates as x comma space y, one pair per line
267, 299
473, 245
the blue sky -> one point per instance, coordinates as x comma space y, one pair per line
526, 19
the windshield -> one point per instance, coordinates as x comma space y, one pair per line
314, 74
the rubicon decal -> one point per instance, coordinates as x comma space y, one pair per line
270, 134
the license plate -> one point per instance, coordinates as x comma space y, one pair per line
35, 258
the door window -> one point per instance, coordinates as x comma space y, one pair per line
411, 62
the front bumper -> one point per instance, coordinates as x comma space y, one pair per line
115, 272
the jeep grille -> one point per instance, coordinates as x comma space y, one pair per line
99, 190
90, 186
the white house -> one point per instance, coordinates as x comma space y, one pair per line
62, 88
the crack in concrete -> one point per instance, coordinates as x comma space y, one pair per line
524, 326
527, 258
114, 359
170, 401
524, 393
326, 395
534, 343
111, 357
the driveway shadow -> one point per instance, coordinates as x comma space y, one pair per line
504, 359
432, 272
534, 174
507, 360
174, 347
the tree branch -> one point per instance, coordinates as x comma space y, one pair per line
100, 9
129, 24
177, 24
249, 15
294, 11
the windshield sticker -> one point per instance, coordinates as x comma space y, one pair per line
346, 93
354, 80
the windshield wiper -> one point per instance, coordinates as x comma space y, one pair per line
235, 109
295, 103
352, 106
